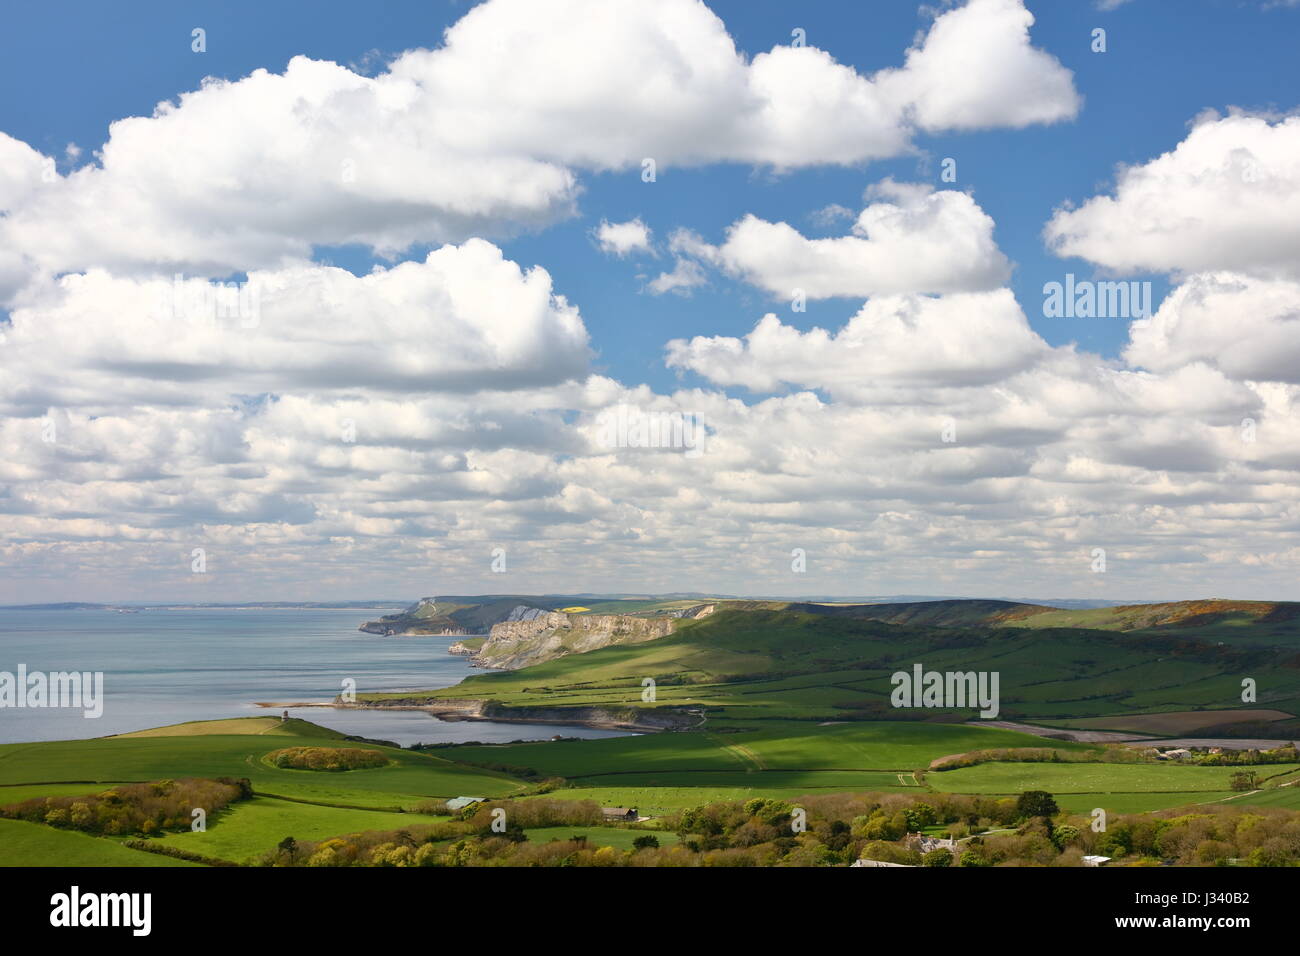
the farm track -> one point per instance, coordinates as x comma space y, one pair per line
331, 806
745, 754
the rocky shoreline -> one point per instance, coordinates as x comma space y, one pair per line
391, 629
598, 718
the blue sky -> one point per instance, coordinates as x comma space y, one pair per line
401, 397
1166, 61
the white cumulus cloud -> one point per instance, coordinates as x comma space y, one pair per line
1226, 197
910, 239
624, 238
488, 133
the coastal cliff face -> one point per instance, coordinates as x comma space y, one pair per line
551, 634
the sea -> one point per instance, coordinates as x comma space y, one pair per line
169, 665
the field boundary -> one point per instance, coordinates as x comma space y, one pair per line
333, 806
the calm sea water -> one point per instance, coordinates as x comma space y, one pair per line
167, 666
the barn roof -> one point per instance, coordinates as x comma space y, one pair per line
462, 802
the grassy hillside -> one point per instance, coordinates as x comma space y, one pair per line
800, 762
31, 844
273, 726
410, 779
954, 613
884, 748
775, 700
741, 666
1257, 622
252, 827
299, 803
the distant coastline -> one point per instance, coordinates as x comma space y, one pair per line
131, 608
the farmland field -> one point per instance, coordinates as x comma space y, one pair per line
33, 844
1062, 778
657, 801
618, 837
1112, 803
876, 746
1287, 797
412, 778
1171, 724
254, 826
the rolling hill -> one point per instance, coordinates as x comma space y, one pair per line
745, 664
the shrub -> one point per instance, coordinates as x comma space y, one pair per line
328, 759
144, 808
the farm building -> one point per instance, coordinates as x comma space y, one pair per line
628, 814
1181, 753
924, 844
461, 802
878, 863
1096, 860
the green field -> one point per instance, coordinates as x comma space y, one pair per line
252, 827
1113, 803
1101, 778
274, 726
363, 799
20, 792
617, 837
1287, 797
890, 746
658, 774
657, 801
33, 844
412, 777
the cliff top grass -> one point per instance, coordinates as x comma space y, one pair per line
239, 726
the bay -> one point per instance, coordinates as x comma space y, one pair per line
167, 666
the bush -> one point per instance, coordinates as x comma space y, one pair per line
328, 759
144, 808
